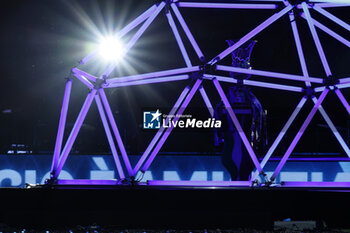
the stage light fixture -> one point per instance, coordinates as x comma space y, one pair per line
111, 49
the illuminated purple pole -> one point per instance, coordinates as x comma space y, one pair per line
137, 35
316, 39
206, 100
237, 125
84, 80
74, 133
124, 31
61, 124
280, 136
160, 131
256, 83
332, 127
254, 32
115, 131
299, 134
168, 130
178, 39
343, 100
151, 80
109, 137
226, 5
187, 32
198, 183
269, 74
84, 74
329, 31
151, 75
332, 17
326, 5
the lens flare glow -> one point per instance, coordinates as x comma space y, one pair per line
111, 49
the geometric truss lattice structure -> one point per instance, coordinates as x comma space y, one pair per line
206, 72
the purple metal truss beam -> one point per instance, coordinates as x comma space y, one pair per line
87, 182
341, 86
226, 5
268, 74
316, 39
124, 31
199, 183
327, 5
280, 136
83, 73
206, 101
187, 32
137, 35
152, 75
316, 184
256, 83
331, 1
343, 100
61, 124
109, 137
251, 34
74, 133
344, 80
329, 32
237, 125
160, 131
151, 80
332, 17
115, 131
178, 39
299, 47
299, 134
84, 80
168, 130
333, 128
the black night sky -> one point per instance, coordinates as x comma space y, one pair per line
42, 40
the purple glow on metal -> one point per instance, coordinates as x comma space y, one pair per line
332, 127
151, 80
74, 133
178, 39
109, 137
152, 75
280, 136
61, 124
84, 80
332, 17
331, 1
88, 57
299, 134
115, 131
88, 182
206, 100
326, 5
199, 183
168, 130
299, 47
316, 39
237, 125
226, 5
343, 100
86, 75
341, 86
319, 89
160, 131
329, 31
136, 21
137, 35
344, 80
187, 32
268, 74
273, 86
316, 184
248, 36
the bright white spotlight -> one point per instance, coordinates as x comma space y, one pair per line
111, 49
